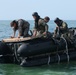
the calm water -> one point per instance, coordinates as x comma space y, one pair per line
54, 69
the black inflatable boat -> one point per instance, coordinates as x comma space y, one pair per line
39, 51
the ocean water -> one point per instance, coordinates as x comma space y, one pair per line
53, 69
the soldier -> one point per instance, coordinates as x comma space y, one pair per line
22, 26
41, 26
36, 19
61, 28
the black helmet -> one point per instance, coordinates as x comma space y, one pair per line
57, 20
35, 14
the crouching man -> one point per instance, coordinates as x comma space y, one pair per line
61, 28
22, 26
42, 28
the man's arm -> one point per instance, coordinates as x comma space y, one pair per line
34, 32
13, 34
46, 29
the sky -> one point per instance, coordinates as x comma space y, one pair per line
23, 9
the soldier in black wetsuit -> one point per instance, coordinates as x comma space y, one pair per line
22, 26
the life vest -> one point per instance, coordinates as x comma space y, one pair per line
41, 25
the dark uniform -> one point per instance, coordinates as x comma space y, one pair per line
23, 27
62, 27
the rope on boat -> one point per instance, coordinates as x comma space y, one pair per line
58, 55
1, 55
66, 48
15, 53
6, 55
48, 59
58, 58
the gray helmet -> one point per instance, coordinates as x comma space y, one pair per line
12, 23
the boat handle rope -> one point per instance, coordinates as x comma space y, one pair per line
58, 58
15, 53
48, 59
66, 48
6, 55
